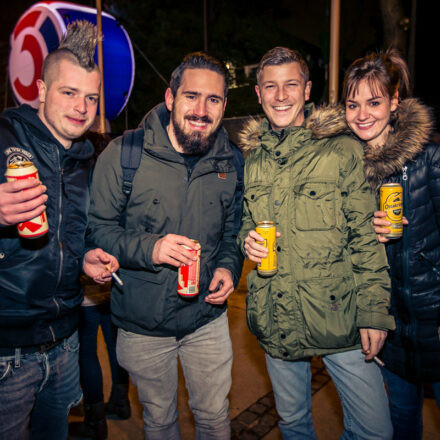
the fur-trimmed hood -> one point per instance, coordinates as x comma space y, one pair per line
325, 121
411, 127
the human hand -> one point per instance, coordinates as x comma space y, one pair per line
169, 250
380, 225
372, 341
254, 251
21, 200
221, 286
97, 263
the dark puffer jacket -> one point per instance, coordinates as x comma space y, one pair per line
412, 351
39, 289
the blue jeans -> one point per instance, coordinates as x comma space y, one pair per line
406, 403
91, 317
37, 390
206, 359
360, 387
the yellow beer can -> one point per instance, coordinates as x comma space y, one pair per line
268, 265
391, 202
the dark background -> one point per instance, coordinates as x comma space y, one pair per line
240, 33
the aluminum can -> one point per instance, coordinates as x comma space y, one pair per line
189, 276
37, 226
391, 202
268, 265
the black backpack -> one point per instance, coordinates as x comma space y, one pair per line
131, 154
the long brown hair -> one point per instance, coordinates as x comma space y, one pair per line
385, 72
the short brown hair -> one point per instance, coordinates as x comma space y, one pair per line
282, 55
77, 46
386, 72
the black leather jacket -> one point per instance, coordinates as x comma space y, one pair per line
39, 289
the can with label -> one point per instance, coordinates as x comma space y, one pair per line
391, 202
189, 276
37, 226
268, 265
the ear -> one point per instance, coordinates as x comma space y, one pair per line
42, 90
307, 90
257, 91
224, 104
395, 101
169, 99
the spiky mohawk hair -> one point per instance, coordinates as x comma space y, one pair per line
77, 46
80, 39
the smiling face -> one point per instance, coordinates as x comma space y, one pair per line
368, 113
196, 110
282, 92
68, 102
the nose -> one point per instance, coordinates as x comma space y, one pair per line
200, 108
81, 105
280, 94
363, 113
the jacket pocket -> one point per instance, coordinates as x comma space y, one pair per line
329, 312
257, 200
314, 206
259, 307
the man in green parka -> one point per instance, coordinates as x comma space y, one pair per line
330, 296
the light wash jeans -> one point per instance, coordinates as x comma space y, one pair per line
406, 404
360, 387
206, 359
37, 390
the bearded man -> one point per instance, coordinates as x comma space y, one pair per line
184, 189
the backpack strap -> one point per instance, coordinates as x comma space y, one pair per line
131, 154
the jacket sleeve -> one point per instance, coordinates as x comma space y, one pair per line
433, 153
367, 255
247, 223
229, 256
132, 247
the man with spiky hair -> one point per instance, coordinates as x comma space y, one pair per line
39, 289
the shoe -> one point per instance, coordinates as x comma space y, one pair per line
118, 406
93, 426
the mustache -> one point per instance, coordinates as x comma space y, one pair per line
195, 118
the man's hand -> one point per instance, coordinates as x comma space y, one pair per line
381, 226
17, 205
372, 341
221, 286
254, 251
169, 250
94, 265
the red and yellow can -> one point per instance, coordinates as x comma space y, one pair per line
37, 226
268, 265
189, 276
391, 202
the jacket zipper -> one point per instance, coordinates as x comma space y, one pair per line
60, 218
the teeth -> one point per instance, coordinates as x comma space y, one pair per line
198, 124
368, 124
282, 107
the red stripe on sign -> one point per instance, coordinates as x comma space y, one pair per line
27, 21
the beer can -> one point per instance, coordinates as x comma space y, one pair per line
189, 276
268, 265
391, 202
37, 226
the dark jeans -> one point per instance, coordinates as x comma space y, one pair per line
90, 370
406, 403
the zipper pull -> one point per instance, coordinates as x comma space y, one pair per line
404, 175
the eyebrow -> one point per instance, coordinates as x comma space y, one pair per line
189, 92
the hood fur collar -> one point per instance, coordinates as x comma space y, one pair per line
326, 121
411, 126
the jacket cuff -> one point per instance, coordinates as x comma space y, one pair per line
375, 320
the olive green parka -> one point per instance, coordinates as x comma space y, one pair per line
332, 273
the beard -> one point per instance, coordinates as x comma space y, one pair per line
194, 143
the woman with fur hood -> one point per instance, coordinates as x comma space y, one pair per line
396, 132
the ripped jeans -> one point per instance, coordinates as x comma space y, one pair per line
37, 390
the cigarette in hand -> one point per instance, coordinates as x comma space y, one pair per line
115, 277
378, 361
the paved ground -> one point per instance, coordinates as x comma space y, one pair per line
252, 406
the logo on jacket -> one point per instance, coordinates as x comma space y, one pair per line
221, 176
17, 154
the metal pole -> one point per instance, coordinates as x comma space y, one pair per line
101, 68
335, 20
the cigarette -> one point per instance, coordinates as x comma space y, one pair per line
378, 361
115, 277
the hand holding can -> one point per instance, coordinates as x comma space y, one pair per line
268, 265
189, 276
